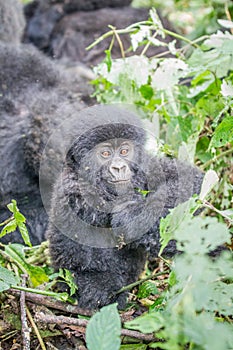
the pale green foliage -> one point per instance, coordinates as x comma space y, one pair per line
103, 330
202, 287
7, 279
146, 289
17, 221
186, 100
16, 253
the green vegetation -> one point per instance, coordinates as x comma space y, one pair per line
187, 101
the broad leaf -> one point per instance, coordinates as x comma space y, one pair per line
36, 273
7, 279
223, 133
104, 329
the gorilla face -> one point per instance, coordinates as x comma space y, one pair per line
108, 167
109, 173
114, 157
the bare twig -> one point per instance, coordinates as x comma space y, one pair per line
53, 303
36, 330
119, 41
228, 15
63, 320
25, 329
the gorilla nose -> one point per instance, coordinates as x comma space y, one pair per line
119, 171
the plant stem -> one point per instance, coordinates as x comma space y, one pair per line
210, 206
136, 26
118, 40
7, 221
36, 330
132, 285
180, 37
127, 30
205, 165
36, 291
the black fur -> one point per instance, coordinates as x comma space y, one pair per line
12, 21
100, 270
34, 96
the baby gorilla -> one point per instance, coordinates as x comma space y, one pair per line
107, 203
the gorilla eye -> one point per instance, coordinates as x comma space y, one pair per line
124, 152
105, 154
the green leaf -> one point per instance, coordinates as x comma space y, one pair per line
223, 133
12, 206
147, 323
146, 91
18, 222
208, 233
7, 279
209, 181
108, 60
146, 289
201, 149
10, 227
24, 233
104, 329
69, 279
36, 274
19, 217
172, 221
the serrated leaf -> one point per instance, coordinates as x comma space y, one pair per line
196, 235
24, 233
69, 279
146, 289
10, 227
223, 133
18, 222
7, 279
169, 73
147, 323
172, 221
19, 217
3, 286
104, 329
36, 273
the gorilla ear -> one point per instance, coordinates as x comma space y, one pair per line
70, 159
73, 156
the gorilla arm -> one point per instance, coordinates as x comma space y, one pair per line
170, 183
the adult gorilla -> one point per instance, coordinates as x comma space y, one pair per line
35, 95
101, 223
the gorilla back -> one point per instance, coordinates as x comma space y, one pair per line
101, 226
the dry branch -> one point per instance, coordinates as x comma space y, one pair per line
25, 329
53, 303
63, 320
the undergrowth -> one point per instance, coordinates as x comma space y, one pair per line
186, 101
